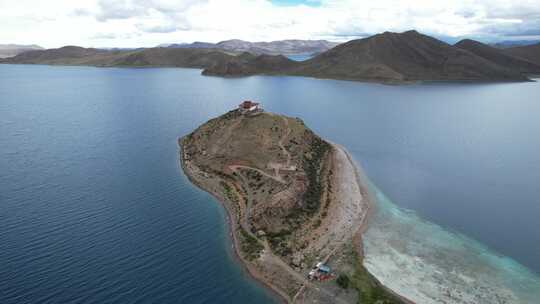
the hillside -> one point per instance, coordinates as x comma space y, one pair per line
399, 57
498, 56
280, 47
293, 200
248, 64
10, 50
528, 52
388, 57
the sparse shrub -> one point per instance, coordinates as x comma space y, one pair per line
312, 196
343, 281
250, 245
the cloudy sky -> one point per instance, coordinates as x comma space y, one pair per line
142, 23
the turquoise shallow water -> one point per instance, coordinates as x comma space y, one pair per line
428, 264
95, 209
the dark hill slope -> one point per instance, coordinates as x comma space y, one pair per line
408, 56
248, 64
528, 52
498, 56
174, 57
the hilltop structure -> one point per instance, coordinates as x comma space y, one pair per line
249, 106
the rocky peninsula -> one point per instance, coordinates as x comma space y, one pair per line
296, 204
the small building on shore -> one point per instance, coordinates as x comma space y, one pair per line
320, 272
249, 106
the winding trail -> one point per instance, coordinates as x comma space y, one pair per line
276, 178
280, 142
234, 168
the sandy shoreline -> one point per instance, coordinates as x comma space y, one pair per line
367, 198
362, 181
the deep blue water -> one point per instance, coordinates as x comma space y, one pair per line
94, 207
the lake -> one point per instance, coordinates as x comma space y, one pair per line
300, 57
95, 209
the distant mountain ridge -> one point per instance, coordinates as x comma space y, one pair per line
388, 58
157, 57
501, 57
280, 47
528, 52
513, 43
10, 50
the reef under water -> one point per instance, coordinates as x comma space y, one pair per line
427, 263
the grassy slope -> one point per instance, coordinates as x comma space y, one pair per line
369, 290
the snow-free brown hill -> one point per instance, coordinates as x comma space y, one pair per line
248, 64
387, 57
528, 52
498, 56
401, 57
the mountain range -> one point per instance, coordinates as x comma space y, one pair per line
391, 58
10, 50
280, 47
513, 43
529, 52
387, 57
508, 58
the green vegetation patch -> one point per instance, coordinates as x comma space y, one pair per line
312, 165
369, 290
229, 193
343, 281
279, 242
251, 247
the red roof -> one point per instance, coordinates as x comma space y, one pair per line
248, 104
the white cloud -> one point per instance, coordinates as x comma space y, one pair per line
129, 23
